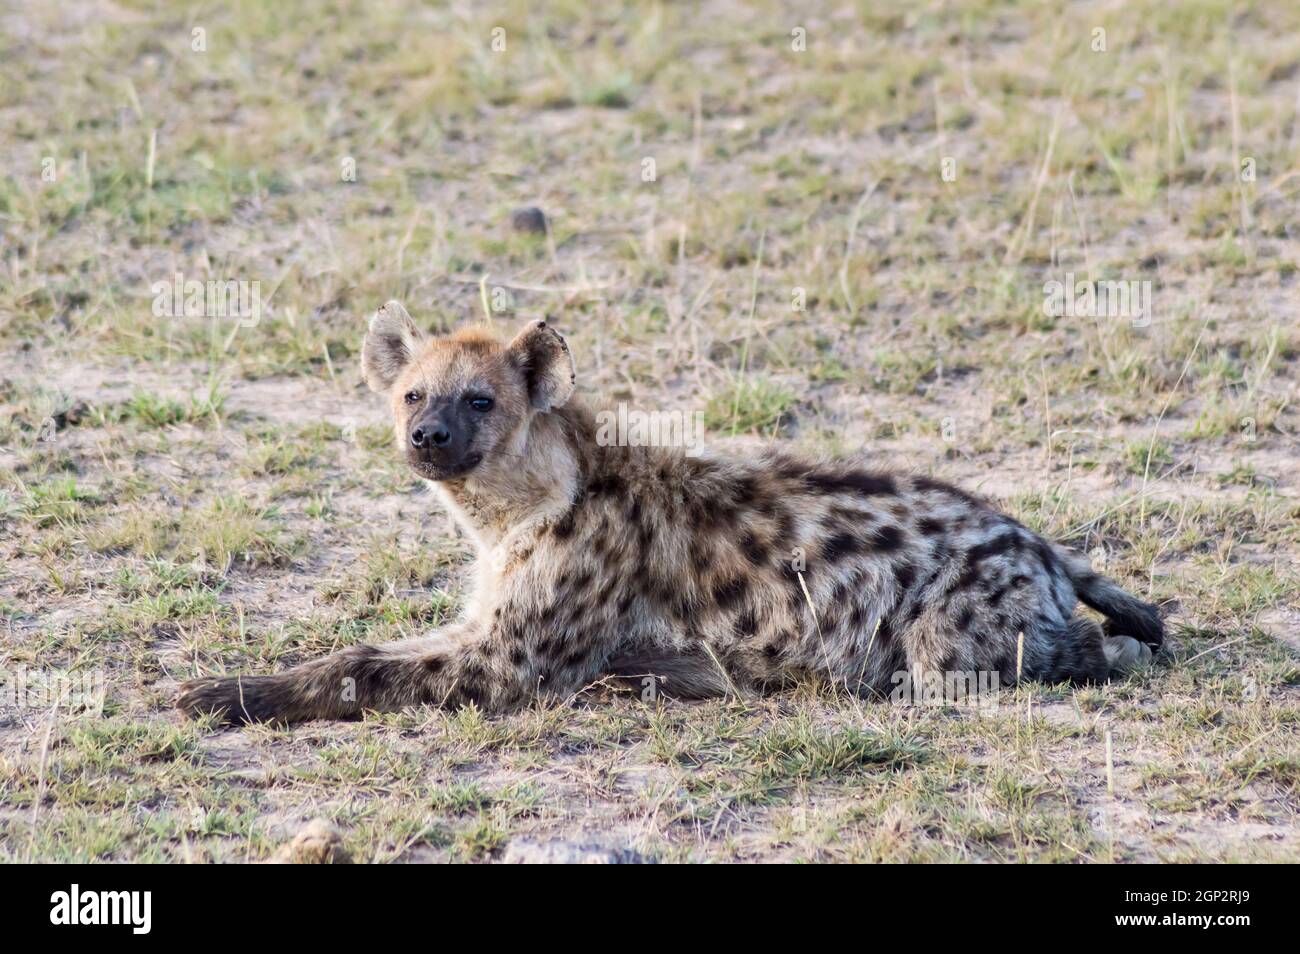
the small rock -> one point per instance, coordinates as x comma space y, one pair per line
71, 416
530, 220
523, 851
319, 843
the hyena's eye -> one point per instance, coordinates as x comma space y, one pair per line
480, 403
412, 397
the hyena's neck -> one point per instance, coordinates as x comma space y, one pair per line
536, 476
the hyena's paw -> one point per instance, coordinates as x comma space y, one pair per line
1125, 654
231, 699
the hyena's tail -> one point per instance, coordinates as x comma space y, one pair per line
1126, 615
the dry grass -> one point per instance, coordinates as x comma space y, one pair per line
193, 495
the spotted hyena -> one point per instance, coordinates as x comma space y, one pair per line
714, 573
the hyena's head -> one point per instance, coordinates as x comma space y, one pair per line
466, 400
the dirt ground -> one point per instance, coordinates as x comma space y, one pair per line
824, 225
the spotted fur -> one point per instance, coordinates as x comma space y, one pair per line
712, 574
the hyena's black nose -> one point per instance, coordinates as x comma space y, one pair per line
436, 436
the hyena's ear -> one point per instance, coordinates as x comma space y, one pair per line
390, 344
543, 357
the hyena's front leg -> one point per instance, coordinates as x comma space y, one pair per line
441, 669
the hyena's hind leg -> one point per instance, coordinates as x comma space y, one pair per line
1087, 655
1078, 655
1126, 654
